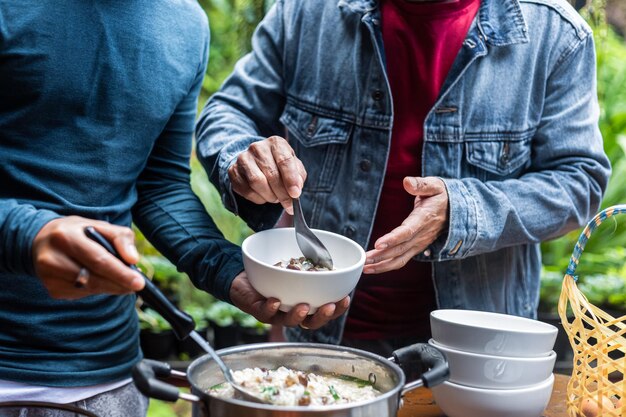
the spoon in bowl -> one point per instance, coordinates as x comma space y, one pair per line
312, 248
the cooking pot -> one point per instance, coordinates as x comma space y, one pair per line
421, 363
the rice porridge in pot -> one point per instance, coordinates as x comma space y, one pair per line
288, 387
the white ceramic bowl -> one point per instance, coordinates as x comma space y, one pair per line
492, 333
264, 249
462, 401
497, 372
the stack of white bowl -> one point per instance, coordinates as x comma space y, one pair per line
500, 365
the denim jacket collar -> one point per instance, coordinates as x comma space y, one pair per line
500, 22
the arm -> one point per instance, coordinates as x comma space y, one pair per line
175, 221
458, 218
170, 214
19, 224
246, 110
566, 181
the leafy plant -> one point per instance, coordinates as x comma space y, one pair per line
224, 315
150, 320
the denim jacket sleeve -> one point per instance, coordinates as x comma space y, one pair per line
246, 110
564, 185
172, 217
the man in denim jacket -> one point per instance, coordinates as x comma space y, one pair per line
503, 147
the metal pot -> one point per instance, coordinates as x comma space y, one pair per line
421, 363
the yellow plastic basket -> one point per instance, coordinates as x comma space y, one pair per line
597, 385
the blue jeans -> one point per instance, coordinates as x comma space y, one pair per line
125, 401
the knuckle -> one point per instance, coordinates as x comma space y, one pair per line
128, 233
272, 175
256, 148
276, 140
58, 237
99, 262
285, 159
254, 178
45, 260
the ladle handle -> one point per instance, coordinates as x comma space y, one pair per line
423, 363
145, 374
181, 322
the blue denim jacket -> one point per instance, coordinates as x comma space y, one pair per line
514, 135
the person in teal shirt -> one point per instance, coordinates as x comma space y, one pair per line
97, 108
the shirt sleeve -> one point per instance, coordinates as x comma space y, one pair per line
19, 224
246, 110
564, 186
172, 217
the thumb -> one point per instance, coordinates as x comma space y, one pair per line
424, 187
122, 239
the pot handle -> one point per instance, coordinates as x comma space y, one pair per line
423, 365
145, 374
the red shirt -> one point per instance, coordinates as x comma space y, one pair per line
421, 42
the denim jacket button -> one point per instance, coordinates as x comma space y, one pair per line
377, 95
365, 165
456, 248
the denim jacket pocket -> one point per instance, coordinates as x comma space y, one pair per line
499, 155
320, 142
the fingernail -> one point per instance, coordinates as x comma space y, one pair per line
302, 314
275, 305
138, 283
132, 251
381, 246
294, 192
329, 312
412, 181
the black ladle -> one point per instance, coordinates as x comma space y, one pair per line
182, 323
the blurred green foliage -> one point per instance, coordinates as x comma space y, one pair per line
602, 268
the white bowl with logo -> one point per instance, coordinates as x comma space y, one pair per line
492, 333
497, 372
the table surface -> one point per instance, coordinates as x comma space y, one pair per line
420, 403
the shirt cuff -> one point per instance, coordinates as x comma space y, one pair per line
463, 220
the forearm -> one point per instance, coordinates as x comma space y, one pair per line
174, 220
563, 184
487, 216
19, 224
226, 131
247, 109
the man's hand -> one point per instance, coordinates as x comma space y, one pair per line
426, 222
268, 172
61, 249
266, 310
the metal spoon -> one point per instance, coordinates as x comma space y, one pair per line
311, 247
182, 323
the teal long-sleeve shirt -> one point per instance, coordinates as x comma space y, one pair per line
97, 105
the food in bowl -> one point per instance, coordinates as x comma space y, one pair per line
288, 387
262, 250
301, 264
